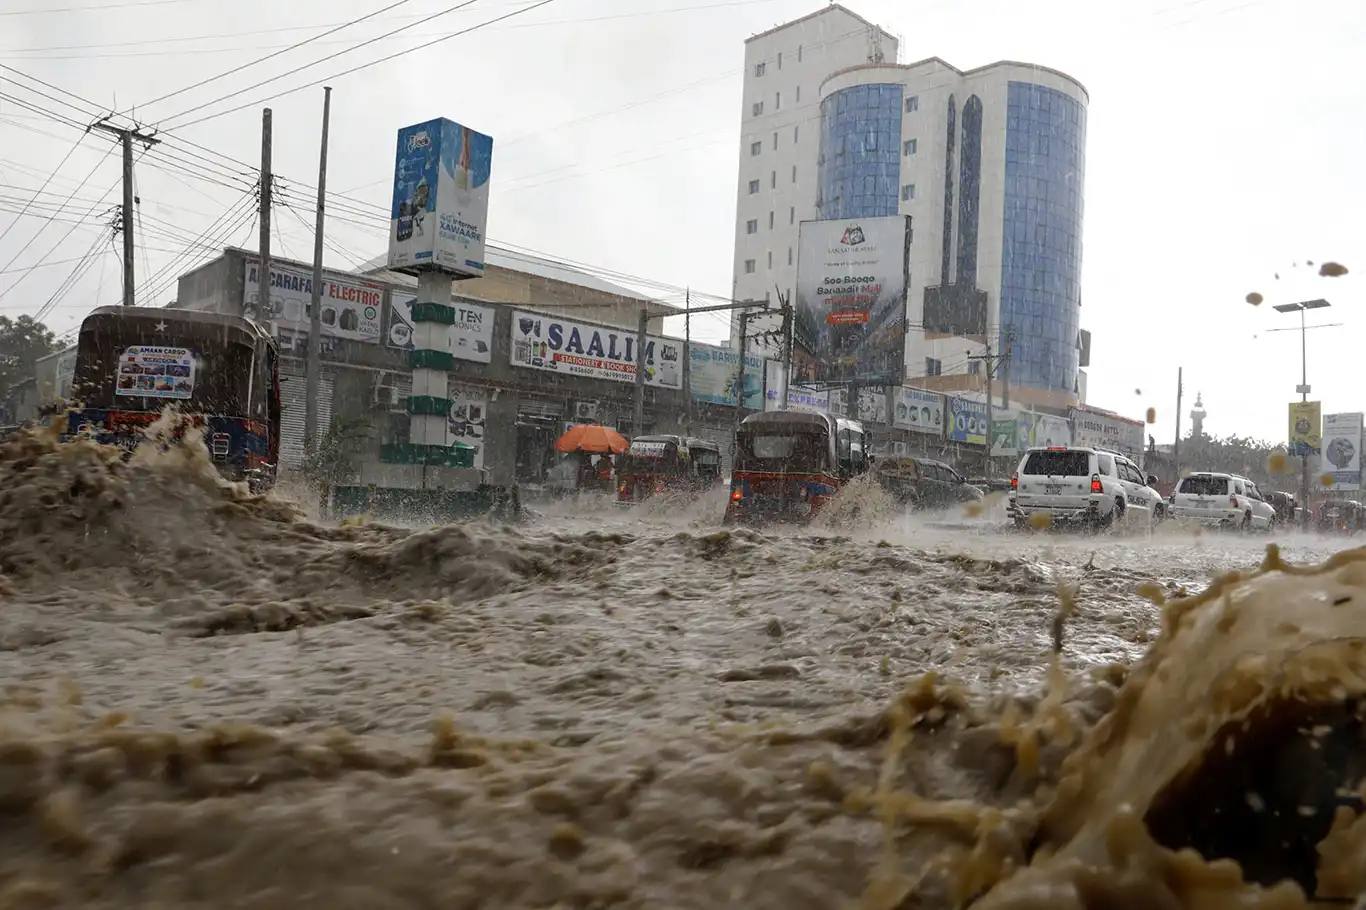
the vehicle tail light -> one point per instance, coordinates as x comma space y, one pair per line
1095, 484
1232, 501
1015, 481
735, 495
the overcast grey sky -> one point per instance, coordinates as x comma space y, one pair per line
1224, 148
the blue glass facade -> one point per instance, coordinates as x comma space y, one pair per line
859, 168
1041, 250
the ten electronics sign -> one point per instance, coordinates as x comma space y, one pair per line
851, 298
542, 342
469, 338
441, 199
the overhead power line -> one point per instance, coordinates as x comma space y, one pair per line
385, 59
271, 56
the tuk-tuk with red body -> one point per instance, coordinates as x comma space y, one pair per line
666, 463
790, 464
221, 373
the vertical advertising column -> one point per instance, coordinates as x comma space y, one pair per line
440, 207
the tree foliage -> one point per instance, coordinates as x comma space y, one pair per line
332, 460
22, 342
1243, 455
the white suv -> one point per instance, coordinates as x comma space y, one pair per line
1074, 484
1226, 500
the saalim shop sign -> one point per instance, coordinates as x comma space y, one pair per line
567, 347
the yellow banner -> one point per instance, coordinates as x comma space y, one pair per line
1306, 427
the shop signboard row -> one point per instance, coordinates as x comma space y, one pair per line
350, 306
570, 348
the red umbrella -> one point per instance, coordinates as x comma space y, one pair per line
594, 438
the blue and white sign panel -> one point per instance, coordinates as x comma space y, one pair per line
441, 198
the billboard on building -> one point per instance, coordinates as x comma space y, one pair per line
350, 305
851, 298
918, 410
1041, 430
967, 420
1342, 450
468, 421
1107, 430
872, 406
715, 371
570, 348
441, 198
1306, 423
799, 398
470, 338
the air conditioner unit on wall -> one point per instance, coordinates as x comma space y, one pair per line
389, 394
586, 410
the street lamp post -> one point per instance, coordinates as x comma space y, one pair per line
1303, 387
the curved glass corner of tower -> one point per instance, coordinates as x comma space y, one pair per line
859, 168
1041, 248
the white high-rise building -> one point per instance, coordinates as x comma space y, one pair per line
779, 140
990, 165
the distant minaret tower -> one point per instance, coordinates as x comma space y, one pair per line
1198, 418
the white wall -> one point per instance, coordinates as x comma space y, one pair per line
825, 42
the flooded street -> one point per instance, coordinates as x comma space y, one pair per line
210, 702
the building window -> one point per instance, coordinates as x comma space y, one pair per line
775, 142
799, 95
759, 68
765, 298
758, 108
780, 59
752, 226
933, 367
795, 133
749, 266
912, 104
770, 221
755, 148
773, 180
799, 53
975, 367
792, 215
770, 259
909, 147
858, 169
753, 187
789, 255
777, 101
908, 192
794, 173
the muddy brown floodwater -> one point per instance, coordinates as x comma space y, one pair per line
211, 702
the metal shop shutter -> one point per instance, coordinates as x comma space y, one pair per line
293, 411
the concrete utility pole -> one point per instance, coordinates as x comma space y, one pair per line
687, 361
993, 362
639, 416
267, 178
126, 137
1176, 446
315, 317
785, 305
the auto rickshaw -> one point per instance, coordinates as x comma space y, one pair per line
1341, 516
667, 463
790, 464
220, 372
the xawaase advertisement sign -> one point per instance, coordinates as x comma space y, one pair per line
541, 342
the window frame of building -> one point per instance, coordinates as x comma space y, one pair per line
758, 109
908, 192
934, 366
760, 68
780, 59
770, 219
775, 140
794, 173
756, 149
974, 368
773, 180
789, 255
792, 215
795, 134
799, 53
754, 187
770, 260
912, 104
777, 101
910, 147
752, 226
749, 266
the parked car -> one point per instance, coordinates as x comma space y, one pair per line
1083, 486
1223, 500
920, 483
